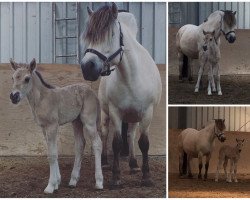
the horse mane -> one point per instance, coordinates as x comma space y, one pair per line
99, 24
229, 17
47, 85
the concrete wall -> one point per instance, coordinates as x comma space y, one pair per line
243, 164
26, 29
20, 135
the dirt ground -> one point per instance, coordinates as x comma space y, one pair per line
235, 89
28, 177
195, 188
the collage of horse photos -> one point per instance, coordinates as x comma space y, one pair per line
208, 100
83, 99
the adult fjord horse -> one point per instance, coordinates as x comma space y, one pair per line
131, 92
189, 37
196, 144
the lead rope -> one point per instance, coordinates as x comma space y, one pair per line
243, 125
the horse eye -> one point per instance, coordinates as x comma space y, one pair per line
211, 39
27, 79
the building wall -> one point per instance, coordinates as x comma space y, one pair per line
26, 29
181, 13
197, 117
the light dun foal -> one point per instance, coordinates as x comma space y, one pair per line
209, 54
233, 153
52, 107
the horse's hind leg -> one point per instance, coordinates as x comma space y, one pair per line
79, 148
197, 86
180, 58
144, 146
218, 78
131, 138
207, 165
200, 165
189, 159
190, 69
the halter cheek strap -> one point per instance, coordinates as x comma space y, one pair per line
107, 60
225, 34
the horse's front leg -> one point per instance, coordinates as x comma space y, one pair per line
200, 164
207, 165
144, 146
197, 86
79, 148
190, 70
218, 169
229, 180
131, 138
50, 132
115, 126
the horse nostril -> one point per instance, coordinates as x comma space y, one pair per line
204, 48
90, 64
90, 70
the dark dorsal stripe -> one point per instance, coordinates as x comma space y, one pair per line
123, 11
43, 82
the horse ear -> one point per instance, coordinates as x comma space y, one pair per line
234, 12
14, 65
114, 10
90, 11
204, 32
236, 139
213, 32
223, 120
32, 65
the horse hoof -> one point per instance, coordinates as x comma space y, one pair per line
115, 184
147, 183
135, 170
209, 93
196, 90
72, 186
99, 186
106, 167
199, 176
219, 93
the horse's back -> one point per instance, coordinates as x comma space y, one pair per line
187, 39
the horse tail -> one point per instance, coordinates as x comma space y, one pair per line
184, 165
185, 66
125, 147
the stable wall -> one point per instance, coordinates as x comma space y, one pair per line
235, 57
21, 136
243, 164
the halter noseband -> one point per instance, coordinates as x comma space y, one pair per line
106, 60
218, 135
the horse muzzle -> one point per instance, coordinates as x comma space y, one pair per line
230, 38
90, 71
15, 98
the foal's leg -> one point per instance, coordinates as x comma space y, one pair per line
217, 71
200, 164
210, 76
235, 171
144, 146
50, 132
79, 148
89, 120
207, 165
197, 86
131, 138
218, 169
104, 136
225, 167
231, 170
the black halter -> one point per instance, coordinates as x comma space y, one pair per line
226, 34
106, 60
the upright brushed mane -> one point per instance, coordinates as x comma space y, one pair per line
100, 23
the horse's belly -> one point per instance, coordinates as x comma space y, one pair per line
131, 114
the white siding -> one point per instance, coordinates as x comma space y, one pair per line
26, 29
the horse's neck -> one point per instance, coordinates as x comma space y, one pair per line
214, 50
210, 132
213, 24
37, 92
